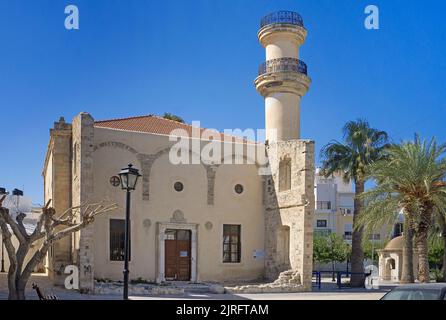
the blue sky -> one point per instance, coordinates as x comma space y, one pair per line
198, 59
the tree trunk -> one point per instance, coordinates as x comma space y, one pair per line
12, 284
17, 288
407, 275
21, 285
20, 256
444, 255
443, 235
423, 258
357, 256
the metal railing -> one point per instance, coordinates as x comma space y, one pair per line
287, 17
346, 211
283, 65
338, 275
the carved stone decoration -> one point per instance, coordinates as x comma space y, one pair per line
115, 181
146, 161
147, 223
178, 217
208, 225
210, 175
115, 144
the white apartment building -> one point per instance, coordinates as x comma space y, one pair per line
334, 204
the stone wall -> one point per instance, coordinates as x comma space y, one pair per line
60, 192
83, 142
289, 213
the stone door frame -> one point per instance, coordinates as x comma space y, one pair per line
161, 263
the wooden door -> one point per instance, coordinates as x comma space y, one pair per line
177, 255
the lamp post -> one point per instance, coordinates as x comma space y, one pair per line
129, 177
3, 256
3, 192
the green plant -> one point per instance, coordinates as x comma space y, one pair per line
436, 251
371, 249
330, 248
436, 274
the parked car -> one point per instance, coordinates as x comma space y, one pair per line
427, 291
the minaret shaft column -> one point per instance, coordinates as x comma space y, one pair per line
282, 116
280, 47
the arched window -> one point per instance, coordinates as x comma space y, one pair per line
285, 174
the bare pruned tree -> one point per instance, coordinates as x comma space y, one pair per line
49, 228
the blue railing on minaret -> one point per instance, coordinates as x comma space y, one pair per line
283, 65
287, 17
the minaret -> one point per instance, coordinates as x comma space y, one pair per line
289, 188
283, 77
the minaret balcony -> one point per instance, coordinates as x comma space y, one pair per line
283, 65
283, 75
284, 23
282, 17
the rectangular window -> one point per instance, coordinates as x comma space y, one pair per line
324, 205
321, 223
117, 240
231, 243
285, 175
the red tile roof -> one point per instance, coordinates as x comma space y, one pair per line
156, 125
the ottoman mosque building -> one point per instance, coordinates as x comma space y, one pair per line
230, 219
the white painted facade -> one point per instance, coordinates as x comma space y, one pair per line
334, 205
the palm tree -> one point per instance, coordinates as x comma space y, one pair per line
443, 235
362, 146
409, 178
173, 117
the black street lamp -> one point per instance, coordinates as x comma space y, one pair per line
3, 192
17, 192
129, 177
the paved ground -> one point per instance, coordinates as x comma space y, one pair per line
329, 291
281, 296
347, 294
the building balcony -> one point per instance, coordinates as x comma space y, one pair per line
346, 211
322, 232
282, 17
283, 65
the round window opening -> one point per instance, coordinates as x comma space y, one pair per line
178, 186
238, 188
